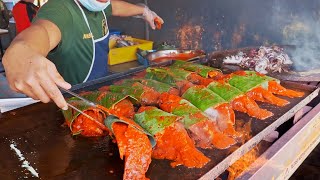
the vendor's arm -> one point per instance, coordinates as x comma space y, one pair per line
28, 70
124, 9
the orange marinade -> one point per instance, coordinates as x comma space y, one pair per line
247, 105
136, 148
208, 133
260, 94
199, 80
149, 96
184, 86
215, 74
175, 144
226, 120
276, 88
120, 116
158, 23
182, 56
89, 127
125, 108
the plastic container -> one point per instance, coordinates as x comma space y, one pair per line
114, 32
127, 54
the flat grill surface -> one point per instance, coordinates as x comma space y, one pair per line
46, 143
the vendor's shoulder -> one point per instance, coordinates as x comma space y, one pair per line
62, 4
58, 12
56, 8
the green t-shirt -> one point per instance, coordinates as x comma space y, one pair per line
73, 55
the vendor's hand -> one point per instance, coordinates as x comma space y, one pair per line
152, 18
36, 77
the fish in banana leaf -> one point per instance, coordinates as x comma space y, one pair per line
144, 94
238, 100
173, 142
203, 130
214, 107
261, 87
202, 70
135, 145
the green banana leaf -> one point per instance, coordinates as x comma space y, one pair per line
178, 72
109, 99
200, 69
70, 115
154, 120
162, 76
225, 90
156, 85
250, 81
113, 119
202, 98
189, 113
135, 91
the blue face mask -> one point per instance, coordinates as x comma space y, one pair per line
93, 5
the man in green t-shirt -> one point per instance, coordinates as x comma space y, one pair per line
66, 44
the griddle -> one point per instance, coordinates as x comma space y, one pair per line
39, 132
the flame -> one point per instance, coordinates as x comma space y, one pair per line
245, 161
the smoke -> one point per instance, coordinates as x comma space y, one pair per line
302, 29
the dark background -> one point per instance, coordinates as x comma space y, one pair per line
223, 24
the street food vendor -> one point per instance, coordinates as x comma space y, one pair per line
66, 44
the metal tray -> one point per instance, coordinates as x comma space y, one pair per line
46, 143
170, 54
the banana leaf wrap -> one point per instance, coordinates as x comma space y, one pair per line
113, 119
249, 81
191, 114
135, 90
92, 96
162, 76
202, 98
200, 69
70, 115
154, 120
110, 99
156, 85
225, 90
130, 82
178, 72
